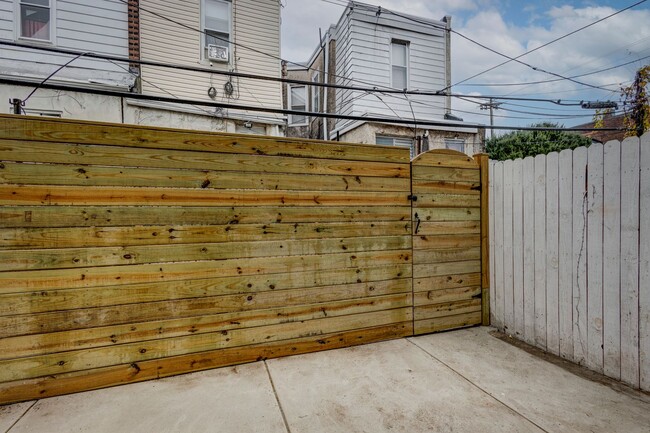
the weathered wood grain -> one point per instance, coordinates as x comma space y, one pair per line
447, 214
15, 260
75, 131
53, 385
437, 324
111, 216
446, 282
71, 299
57, 363
44, 152
20, 238
89, 175
29, 281
29, 195
109, 334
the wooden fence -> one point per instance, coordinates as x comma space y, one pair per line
130, 253
570, 257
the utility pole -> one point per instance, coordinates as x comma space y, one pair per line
491, 106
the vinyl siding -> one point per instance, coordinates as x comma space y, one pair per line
256, 25
98, 26
363, 53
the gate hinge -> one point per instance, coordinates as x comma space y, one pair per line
412, 197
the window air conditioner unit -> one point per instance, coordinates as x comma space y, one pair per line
218, 53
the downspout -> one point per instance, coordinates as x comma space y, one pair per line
326, 78
447, 20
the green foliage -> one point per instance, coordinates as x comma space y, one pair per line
521, 144
637, 104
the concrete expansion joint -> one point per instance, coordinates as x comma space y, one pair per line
277, 397
476, 386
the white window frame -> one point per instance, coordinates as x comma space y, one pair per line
406, 45
451, 142
204, 56
17, 23
290, 105
394, 140
315, 92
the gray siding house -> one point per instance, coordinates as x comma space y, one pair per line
371, 47
98, 26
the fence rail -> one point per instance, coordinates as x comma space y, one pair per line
570, 255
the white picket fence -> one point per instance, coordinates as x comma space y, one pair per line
570, 255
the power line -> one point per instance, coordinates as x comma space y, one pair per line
280, 79
421, 122
544, 45
528, 83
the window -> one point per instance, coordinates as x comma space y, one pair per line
395, 141
399, 55
455, 144
297, 101
315, 93
216, 25
35, 19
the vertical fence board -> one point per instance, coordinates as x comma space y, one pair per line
565, 251
611, 260
529, 248
644, 263
492, 203
508, 289
498, 246
629, 260
552, 247
595, 257
579, 261
540, 251
517, 249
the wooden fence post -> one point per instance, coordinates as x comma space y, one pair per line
484, 163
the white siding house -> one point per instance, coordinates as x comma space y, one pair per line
97, 26
373, 47
244, 36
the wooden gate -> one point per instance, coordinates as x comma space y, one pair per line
449, 241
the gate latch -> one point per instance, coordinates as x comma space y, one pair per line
412, 197
417, 223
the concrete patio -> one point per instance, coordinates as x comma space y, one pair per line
461, 381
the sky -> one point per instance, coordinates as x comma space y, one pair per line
512, 27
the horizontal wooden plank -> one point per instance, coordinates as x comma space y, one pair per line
446, 309
70, 299
447, 214
60, 130
17, 238
29, 281
446, 241
111, 216
421, 174
446, 200
136, 331
43, 365
445, 187
446, 295
444, 158
438, 324
421, 257
44, 152
441, 269
87, 175
59, 384
16, 260
448, 227
446, 282
13, 195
